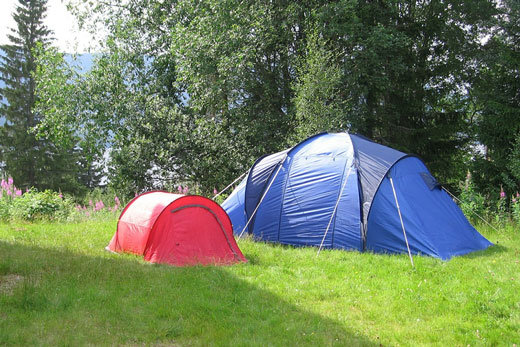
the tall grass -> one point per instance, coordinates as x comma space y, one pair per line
69, 291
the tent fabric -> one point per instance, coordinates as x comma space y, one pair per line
260, 172
176, 229
373, 162
433, 222
300, 203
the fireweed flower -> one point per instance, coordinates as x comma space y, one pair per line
185, 190
502, 194
99, 205
179, 188
10, 181
215, 191
18, 192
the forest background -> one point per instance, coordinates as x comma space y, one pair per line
190, 93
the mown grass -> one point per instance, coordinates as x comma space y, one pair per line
64, 289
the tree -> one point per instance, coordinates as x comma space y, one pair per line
498, 114
58, 96
196, 90
407, 67
318, 93
30, 161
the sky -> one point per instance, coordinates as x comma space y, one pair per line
69, 39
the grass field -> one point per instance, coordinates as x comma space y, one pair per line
59, 287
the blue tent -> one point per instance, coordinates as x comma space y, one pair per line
339, 190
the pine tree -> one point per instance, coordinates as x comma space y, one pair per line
27, 159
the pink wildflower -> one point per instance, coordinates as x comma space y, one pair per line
18, 192
179, 188
517, 195
99, 205
514, 201
185, 190
3, 184
135, 196
9, 193
116, 199
502, 194
60, 195
215, 191
10, 181
90, 202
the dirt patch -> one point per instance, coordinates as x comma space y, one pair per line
9, 282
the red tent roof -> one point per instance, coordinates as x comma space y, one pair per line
176, 229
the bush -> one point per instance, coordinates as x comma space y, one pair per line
471, 202
46, 205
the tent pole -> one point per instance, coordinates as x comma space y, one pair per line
222, 191
476, 214
262, 199
401, 219
334, 211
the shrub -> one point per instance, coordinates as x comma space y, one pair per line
46, 205
471, 202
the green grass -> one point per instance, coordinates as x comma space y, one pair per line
59, 287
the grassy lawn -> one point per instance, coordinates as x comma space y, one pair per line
59, 287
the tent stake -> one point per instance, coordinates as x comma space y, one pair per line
401, 219
262, 199
334, 211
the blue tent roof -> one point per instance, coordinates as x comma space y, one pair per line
333, 188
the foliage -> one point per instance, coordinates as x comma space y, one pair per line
472, 203
498, 117
30, 161
192, 92
33, 205
318, 92
76, 292
102, 206
46, 205
407, 69
515, 208
244, 77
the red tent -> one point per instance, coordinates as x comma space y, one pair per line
176, 229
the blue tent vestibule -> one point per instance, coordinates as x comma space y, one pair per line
340, 190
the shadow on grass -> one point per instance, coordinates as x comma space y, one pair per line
488, 252
69, 298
